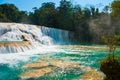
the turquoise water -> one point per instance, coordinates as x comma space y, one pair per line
9, 73
86, 57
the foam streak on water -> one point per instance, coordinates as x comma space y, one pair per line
59, 56
15, 58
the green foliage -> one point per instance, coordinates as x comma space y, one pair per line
65, 7
48, 5
106, 9
112, 42
94, 12
3, 18
111, 68
110, 65
10, 11
45, 15
115, 9
67, 16
23, 17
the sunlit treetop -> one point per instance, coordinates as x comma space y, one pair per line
116, 9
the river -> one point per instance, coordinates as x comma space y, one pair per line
11, 67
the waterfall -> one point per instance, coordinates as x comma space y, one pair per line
59, 36
15, 37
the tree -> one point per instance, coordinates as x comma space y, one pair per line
94, 12
3, 18
81, 19
110, 65
33, 17
50, 14
112, 42
50, 5
10, 11
106, 9
65, 7
115, 9
23, 17
42, 16
77, 16
65, 14
87, 13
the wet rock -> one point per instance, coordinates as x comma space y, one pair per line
15, 47
25, 38
36, 65
35, 73
93, 74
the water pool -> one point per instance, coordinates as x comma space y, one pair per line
88, 56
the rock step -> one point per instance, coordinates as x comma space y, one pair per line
36, 73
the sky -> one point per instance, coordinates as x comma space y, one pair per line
27, 5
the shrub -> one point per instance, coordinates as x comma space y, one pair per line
111, 68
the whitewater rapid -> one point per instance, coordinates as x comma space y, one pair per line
16, 37
44, 35
19, 42
15, 58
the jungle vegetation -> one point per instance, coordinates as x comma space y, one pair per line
89, 24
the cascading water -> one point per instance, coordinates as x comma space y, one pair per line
19, 34
32, 58
58, 36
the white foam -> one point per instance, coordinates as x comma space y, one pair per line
15, 58
41, 35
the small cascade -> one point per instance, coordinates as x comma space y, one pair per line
14, 37
15, 47
58, 36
